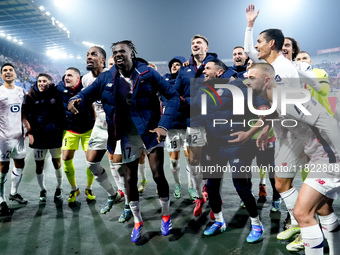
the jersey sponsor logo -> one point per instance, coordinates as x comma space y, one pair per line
278, 78
189, 70
99, 102
167, 79
236, 160
15, 108
284, 164
109, 85
321, 182
21, 97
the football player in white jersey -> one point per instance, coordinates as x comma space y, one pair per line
11, 135
95, 59
319, 134
288, 150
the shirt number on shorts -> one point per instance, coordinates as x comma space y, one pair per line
173, 144
38, 154
192, 139
6, 154
127, 152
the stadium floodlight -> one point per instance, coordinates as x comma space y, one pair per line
60, 25
3, 34
53, 19
57, 21
64, 28
48, 13
60, 3
9, 37
78, 57
21, 43
70, 56
15, 40
42, 8
90, 44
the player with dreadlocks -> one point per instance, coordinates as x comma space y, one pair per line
128, 92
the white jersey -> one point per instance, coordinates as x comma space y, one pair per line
313, 131
285, 73
11, 101
87, 80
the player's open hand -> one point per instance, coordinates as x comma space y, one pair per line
161, 134
251, 14
72, 106
242, 137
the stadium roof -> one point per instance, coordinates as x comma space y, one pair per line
21, 21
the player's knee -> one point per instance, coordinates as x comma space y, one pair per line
174, 165
281, 185
95, 168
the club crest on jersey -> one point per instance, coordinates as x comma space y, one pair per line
278, 78
15, 108
52, 101
109, 85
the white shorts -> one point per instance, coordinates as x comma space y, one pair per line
40, 154
325, 182
289, 156
196, 136
133, 147
14, 148
118, 149
98, 139
175, 139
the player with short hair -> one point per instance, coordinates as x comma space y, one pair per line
11, 135
319, 134
45, 113
176, 137
78, 128
289, 149
240, 59
97, 147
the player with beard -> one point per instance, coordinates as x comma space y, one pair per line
128, 93
319, 134
11, 136
95, 59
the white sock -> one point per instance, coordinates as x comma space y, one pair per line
197, 179
2, 187
165, 204
219, 216
103, 180
16, 178
141, 169
187, 170
134, 205
331, 230
59, 177
175, 169
41, 181
114, 170
126, 199
290, 197
255, 221
312, 239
